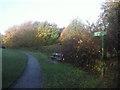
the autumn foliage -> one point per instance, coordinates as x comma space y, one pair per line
79, 45
31, 34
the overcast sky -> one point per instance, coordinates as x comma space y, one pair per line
62, 12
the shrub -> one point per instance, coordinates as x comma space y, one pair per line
79, 46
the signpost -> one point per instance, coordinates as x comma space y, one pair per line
102, 34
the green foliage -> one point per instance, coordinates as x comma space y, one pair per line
48, 32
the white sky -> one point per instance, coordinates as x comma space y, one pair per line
62, 12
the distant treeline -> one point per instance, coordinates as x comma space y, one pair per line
31, 34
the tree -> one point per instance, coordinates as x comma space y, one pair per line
109, 18
79, 46
20, 36
48, 33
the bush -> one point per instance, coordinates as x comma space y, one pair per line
79, 46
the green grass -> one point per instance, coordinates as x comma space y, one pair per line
62, 75
13, 64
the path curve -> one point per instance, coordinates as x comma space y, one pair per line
31, 77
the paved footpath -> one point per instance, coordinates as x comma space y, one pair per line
31, 77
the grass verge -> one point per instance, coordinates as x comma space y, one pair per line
62, 75
13, 64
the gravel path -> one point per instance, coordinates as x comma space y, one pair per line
31, 77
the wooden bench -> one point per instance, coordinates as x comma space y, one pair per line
57, 57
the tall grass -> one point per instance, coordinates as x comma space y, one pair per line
13, 63
62, 75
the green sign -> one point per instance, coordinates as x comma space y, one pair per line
100, 33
